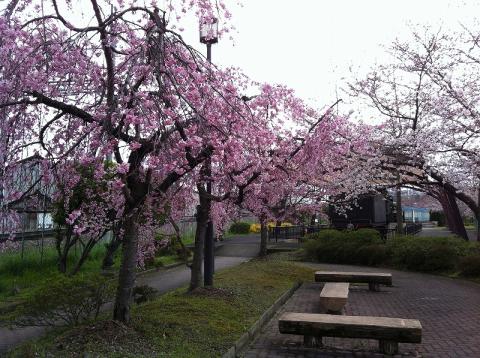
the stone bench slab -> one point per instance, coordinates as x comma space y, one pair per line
372, 278
388, 331
334, 296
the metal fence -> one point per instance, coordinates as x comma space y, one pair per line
297, 232
292, 232
412, 228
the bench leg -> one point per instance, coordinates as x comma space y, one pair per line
388, 347
312, 342
372, 286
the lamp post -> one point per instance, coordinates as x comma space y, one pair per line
209, 36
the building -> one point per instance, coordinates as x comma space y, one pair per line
415, 214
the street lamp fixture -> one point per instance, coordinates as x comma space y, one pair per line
209, 31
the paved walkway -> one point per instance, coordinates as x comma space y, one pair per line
448, 309
443, 231
163, 281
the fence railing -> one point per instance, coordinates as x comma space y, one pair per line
412, 228
292, 232
297, 232
29, 235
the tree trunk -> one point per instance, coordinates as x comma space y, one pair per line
127, 274
196, 278
452, 213
62, 263
86, 251
112, 247
263, 237
477, 215
66, 239
312, 220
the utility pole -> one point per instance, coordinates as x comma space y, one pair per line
399, 206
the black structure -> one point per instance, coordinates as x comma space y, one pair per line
369, 211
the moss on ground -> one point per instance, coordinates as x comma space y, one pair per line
205, 323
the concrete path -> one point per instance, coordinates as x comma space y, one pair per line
443, 231
448, 310
243, 246
163, 281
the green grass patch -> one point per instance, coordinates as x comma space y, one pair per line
205, 323
18, 274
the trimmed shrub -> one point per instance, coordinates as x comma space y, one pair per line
328, 234
372, 255
362, 246
427, 253
310, 248
469, 266
438, 216
240, 227
365, 247
365, 236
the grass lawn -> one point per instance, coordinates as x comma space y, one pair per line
22, 274
33, 270
205, 323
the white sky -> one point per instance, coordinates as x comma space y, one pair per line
310, 45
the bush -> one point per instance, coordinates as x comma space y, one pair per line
240, 227
328, 234
365, 236
365, 247
362, 246
438, 216
469, 266
310, 248
63, 300
255, 228
372, 255
431, 254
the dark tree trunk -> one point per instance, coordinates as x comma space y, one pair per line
312, 220
196, 278
66, 240
452, 213
62, 263
86, 251
477, 215
263, 237
112, 247
127, 274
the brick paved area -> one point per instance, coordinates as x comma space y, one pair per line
448, 309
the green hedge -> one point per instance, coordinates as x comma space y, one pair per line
240, 227
439, 217
362, 246
365, 247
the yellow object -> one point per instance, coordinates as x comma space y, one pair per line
255, 228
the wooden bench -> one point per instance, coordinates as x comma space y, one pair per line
373, 279
334, 296
388, 331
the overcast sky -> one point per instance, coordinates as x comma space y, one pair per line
310, 45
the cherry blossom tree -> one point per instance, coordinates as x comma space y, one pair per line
125, 85
428, 97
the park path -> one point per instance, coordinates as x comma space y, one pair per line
442, 232
449, 310
229, 253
